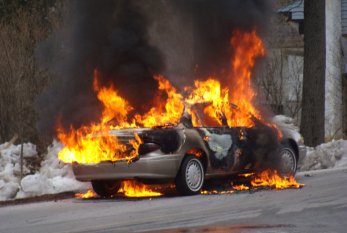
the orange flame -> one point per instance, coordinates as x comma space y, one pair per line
265, 179
128, 189
162, 114
89, 194
213, 192
91, 144
240, 187
233, 101
115, 107
247, 48
208, 92
271, 178
246, 174
132, 188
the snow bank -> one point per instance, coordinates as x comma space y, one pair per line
328, 155
53, 176
10, 167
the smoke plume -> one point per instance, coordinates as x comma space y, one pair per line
110, 36
213, 25
129, 41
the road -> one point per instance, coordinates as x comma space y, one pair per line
321, 206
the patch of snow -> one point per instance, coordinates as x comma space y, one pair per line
53, 176
10, 168
327, 155
29, 150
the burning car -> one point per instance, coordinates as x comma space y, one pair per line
188, 155
211, 130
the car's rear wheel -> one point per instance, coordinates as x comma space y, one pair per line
190, 177
106, 188
288, 162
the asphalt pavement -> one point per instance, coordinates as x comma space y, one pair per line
320, 206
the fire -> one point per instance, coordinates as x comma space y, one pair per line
233, 101
271, 178
133, 189
240, 187
164, 112
89, 194
247, 48
246, 174
265, 179
116, 109
231, 104
209, 92
128, 189
212, 192
84, 146
92, 144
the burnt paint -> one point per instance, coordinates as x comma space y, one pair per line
225, 162
167, 138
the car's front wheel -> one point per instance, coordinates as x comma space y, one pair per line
190, 177
106, 188
288, 162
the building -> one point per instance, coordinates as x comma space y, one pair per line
335, 59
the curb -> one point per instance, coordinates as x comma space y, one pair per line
43, 198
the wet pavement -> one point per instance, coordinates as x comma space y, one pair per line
321, 206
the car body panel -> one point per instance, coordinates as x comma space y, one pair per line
225, 151
155, 165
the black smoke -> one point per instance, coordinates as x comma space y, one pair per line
213, 25
110, 36
114, 37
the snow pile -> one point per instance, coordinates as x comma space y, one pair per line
10, 167
53, 176
328, 155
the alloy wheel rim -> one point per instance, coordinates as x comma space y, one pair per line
194, 175
288, 160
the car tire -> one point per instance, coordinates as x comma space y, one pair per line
106, 188
190, 177
288, 159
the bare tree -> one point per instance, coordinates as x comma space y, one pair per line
20, 78
293, 103
271, 81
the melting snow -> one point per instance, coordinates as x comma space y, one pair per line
53, 176
328, 155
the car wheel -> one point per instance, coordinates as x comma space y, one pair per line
105, 188
190, 177
288, 161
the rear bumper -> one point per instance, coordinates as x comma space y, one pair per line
150, 166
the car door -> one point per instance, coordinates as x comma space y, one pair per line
221, 143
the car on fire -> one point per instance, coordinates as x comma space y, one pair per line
190, 155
